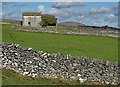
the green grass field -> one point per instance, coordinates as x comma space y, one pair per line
77, 45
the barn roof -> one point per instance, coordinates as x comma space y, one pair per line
31, 14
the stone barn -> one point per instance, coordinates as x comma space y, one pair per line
31, 19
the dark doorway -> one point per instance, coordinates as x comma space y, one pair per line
21, 23
29, 23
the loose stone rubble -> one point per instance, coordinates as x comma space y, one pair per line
32, 63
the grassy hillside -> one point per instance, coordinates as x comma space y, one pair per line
78, 45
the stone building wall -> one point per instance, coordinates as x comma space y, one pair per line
31, 20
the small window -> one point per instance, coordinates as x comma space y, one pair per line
28, 23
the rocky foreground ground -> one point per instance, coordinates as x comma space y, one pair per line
38, 63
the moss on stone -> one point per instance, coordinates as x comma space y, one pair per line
31, 14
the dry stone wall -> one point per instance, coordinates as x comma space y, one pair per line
18, 22
38, 63
87, 30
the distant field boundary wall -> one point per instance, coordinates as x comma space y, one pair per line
89, 30
11, 21
63, 30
